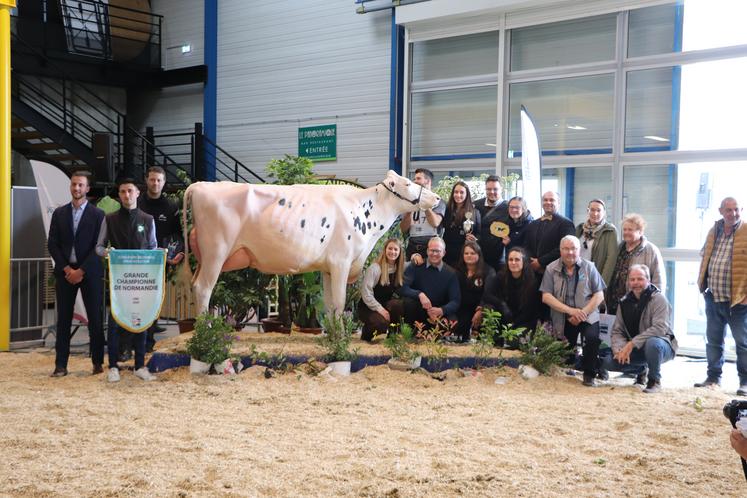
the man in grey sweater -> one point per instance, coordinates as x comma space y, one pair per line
642, 335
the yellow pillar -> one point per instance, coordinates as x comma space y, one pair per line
5, 6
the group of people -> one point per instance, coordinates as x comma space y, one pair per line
463, 257
80, 234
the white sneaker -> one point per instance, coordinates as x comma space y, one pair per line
113, 375
143, 373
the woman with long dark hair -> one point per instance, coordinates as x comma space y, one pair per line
461, 222
379, 306
473, 273
513, 292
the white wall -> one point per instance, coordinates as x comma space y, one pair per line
288, 64
174, 109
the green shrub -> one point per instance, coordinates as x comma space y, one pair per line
338, 336
542, 351
212, 339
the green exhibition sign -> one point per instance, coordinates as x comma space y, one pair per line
318, 143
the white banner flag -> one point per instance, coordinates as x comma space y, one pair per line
531, 164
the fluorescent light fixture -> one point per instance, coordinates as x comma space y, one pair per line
575, 127
490, 145
186, 48
656, 138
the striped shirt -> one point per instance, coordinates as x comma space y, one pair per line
719, 266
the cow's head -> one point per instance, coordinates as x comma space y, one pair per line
410, 192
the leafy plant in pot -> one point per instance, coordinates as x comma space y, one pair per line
210, 344
238, 294
337, 339
310, 303
404, 357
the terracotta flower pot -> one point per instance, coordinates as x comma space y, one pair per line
186, 325
274, 325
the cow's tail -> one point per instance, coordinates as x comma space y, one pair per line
185, 275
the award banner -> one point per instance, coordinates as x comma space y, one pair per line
137, 279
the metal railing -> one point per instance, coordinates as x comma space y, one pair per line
87, 28
29, 316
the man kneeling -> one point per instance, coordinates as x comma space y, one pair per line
642, 335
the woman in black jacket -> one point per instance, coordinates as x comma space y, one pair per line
513, 292
473, 273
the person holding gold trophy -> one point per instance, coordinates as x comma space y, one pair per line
461, 222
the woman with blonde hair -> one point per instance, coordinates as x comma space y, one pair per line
379, 305
635, 249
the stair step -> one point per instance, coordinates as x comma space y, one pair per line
26, 135
61, 157
45, 146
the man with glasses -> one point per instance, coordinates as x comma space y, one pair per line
431, 291
723, 282
573, 289
493, 212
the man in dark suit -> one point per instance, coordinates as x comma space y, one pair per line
73, 233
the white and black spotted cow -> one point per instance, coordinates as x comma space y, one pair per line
293, 229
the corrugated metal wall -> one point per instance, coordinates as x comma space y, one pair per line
288, 64
284, 65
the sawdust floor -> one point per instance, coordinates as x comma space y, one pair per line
377, 433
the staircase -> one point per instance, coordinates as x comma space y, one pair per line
63, 122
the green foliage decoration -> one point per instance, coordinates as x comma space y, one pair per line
212, 339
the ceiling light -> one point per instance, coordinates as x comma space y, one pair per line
186, 48
490, 145
575, 127
656, 138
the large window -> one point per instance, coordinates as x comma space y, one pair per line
455, 57
692, 107
572, 115
564, 43
454, 122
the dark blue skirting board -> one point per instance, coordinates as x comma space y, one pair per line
164, 361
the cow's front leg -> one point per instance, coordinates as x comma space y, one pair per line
338, 287
327, 287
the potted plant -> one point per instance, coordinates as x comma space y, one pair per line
210, 343
404, 357
336, 341
310, 303
238, 294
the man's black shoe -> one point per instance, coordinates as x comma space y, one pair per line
603, 374
589, 381
709, 382
97, 369
59, 372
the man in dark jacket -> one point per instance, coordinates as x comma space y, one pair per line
493, 209
543, 235
642, 335
128, 228
73, 232
168, 229
431, 290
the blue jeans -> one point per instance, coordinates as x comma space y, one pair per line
718, 315
654, 353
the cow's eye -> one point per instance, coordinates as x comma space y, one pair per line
408, 184
391, 184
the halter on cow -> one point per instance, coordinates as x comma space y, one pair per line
286, 229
